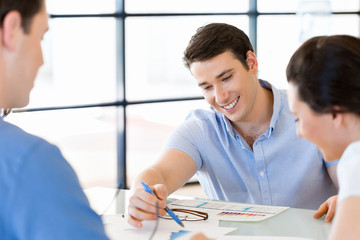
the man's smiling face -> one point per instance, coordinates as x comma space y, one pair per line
227, 85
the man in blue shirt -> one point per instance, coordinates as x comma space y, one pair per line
245, 147
40, 195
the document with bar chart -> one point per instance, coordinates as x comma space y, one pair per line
230, 211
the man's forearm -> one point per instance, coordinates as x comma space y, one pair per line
150, 176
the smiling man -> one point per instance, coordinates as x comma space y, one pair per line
244, 148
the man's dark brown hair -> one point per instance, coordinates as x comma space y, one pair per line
214, 39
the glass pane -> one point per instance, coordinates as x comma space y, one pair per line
279, 37
345, 5
86, 137
292, 5
277, 5
154, 52
277, 41
186, 6
80, 63
345, 24
81, 6
148, 127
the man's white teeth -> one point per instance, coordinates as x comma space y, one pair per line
231, 105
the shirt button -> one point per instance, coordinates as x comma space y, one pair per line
262, 174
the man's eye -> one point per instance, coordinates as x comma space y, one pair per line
227, 77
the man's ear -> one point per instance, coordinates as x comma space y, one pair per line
251, 61
11, 30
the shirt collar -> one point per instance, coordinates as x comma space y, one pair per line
276, 106
229, 128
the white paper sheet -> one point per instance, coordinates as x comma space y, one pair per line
117, 228
260, 238
188, 236
230, 211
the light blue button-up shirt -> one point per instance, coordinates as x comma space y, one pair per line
281, 169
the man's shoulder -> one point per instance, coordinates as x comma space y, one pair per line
17, 145
283, 101
13, 136
205, 118
202, 113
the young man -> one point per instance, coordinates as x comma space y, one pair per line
40, 195
324, 86
245, 147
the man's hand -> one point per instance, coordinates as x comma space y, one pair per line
142, 205
328, 208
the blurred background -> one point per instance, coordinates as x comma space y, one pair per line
114, 86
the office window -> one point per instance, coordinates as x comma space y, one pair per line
345, 5
277, 6
274, 52
292, 6
275, 48
148, 128
114, 86
81, 6
154, 52
80, 66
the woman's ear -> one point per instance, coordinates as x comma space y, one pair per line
338, 117
11, 30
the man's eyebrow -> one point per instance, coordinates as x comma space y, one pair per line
223, 73
202, 84
217, 77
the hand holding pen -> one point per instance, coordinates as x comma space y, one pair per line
142, 205
168, 210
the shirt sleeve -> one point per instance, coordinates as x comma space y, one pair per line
48, 202
187, 137
348, 172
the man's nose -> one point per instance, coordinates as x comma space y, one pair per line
221, 95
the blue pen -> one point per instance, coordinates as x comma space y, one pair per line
168, 210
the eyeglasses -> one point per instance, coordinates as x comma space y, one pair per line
187, 215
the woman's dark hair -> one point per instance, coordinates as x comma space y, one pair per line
27, 9
326, 71
214, 39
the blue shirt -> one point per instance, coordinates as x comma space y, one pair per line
281, 169
40, 195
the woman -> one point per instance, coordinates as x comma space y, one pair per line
324, 96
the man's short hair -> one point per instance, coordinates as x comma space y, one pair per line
27, 9
214, 39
